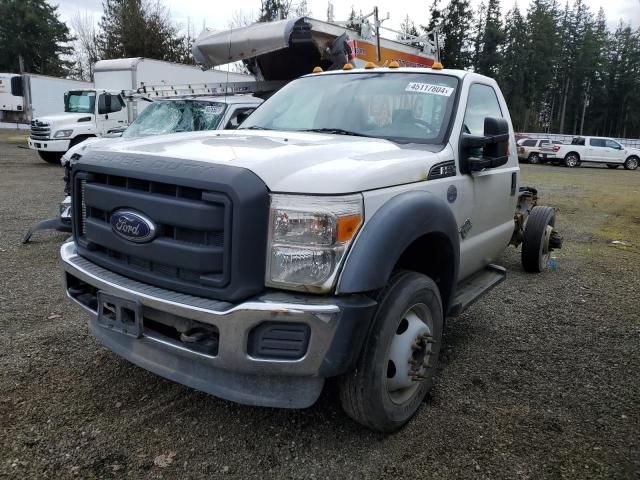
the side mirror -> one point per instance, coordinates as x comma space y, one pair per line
487, 151
102, 104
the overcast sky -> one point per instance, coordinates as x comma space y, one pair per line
216, 14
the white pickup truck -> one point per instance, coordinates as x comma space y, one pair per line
329, 236
592, 149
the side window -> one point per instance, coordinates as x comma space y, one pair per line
116, 103
482, 103
612, 144
596, 142
526, 143
238, 117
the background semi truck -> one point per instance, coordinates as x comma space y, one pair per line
26, 96
94, 111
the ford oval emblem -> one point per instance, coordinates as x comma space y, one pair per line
132, 226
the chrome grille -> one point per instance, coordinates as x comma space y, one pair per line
40, 130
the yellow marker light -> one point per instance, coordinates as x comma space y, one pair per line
317, 70
348, 226
437, 66
347, 66
394, 64
369, 65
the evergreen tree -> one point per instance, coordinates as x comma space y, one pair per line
455, 28
31, 30
271, 10
140, 28
409, 31
515, 67
478, 35
492, 37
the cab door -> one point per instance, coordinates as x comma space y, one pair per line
616, 153
111, 112
596, 151
494, 190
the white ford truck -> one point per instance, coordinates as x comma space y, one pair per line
329, 237
592, 150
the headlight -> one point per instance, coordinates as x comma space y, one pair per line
63, 133
308, 239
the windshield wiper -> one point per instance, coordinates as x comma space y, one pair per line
335, 131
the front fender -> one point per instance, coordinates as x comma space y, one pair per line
394, 227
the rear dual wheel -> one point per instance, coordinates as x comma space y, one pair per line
398, 361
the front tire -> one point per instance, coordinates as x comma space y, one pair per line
535, 243
534, 158
631, 163
572, 160
50, 157
399, 358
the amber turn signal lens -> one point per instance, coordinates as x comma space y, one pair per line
348, 226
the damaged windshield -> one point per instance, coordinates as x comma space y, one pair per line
172, 116
399, 106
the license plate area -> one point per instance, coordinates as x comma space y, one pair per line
119, 314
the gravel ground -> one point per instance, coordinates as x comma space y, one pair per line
539, 379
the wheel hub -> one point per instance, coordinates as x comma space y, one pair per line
409, 354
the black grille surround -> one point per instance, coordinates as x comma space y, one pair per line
211, 220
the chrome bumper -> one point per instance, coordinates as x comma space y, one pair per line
337, 327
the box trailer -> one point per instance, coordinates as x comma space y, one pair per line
26, 96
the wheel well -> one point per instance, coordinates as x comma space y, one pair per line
433, 256
575, 153
632, 156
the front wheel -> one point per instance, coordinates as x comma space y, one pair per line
51, 157
631, 163
534, 158
399, 358
572, 160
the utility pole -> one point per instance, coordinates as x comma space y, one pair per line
376, 23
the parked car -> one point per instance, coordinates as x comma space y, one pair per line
529, 148
594, 150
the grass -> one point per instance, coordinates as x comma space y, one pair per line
597, 205
13, 136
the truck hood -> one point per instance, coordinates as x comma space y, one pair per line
64, 118
296, 162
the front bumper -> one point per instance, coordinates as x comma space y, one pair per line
49, 145
337, 327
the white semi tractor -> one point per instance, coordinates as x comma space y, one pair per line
95, 110
26, 96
